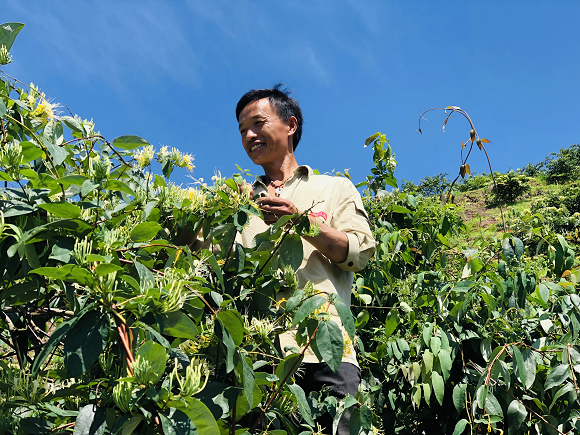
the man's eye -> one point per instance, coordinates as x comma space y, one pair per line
242, 132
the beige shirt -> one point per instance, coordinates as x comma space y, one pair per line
338, 204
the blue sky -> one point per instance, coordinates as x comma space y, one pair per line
173, 71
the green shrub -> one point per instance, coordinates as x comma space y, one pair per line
564, 166
434, 185
509, 187
474, 182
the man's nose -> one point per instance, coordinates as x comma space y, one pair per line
250, 135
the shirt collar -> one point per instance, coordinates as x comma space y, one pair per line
300, 170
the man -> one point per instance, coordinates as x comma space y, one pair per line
270, 124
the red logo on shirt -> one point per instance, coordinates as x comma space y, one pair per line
319, 214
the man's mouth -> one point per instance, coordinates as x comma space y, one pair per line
255, 147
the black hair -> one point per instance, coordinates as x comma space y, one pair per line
280, 100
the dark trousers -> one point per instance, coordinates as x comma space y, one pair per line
345, 381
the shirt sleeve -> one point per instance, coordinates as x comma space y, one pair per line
350, 217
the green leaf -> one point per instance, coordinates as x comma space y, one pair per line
346, 318
529, 367
91, 421
29, 150
287, 367
71, 123
445, 363
248, 380
157, 357
232, 320
211, 260
438, 387
302, 403
392, 322
224, 335
516, 415
416, 394
174, 422
460, 426
519, 360
88, 186
57, 153
459, 396
557, 376
69, 272
129, 142
55, 338
62, 209
118, 186
177, 324
307, 308
198, 413
106, 268
330, 343
2, 108
291, 251
361, 320
144, 231
492, 406
85, 342
8, 33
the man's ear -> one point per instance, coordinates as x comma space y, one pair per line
292, 125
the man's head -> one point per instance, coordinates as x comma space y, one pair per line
280, 101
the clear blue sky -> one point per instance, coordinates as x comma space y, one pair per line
172, 72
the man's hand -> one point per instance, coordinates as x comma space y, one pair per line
274, 208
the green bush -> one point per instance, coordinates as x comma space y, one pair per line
474, 182
564, 166
509, 187
434, 185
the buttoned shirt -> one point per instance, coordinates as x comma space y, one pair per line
335, 202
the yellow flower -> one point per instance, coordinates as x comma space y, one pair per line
144, 156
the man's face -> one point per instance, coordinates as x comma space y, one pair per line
264, 134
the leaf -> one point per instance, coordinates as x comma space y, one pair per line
330, 343
144, 231
445, 363
69, 272
460, 426
248, 380
177, 324
157, 357
224, 335
57, 335
557, 376
302, 402
291, 251
391, 322
29, 150
529, 367
174, 422
307, 308
88, 186
85, 342
438, 387
416, 394
198, 413
459, 396
346, 318
232, 320
519, 360
492, 406
361, 320
516, 414
129, 142
91, 421
107, 268
371, 139
287, 367
118, 186
485, 140
57, 153
62, 209
8, 33
71, 123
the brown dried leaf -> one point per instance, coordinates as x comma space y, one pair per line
566, 273
463, 145
467, 169
485, 140
445, 123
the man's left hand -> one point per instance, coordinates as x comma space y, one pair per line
274, 208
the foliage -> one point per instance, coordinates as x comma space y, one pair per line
434, 185
509, 187
474, 182
564, 166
